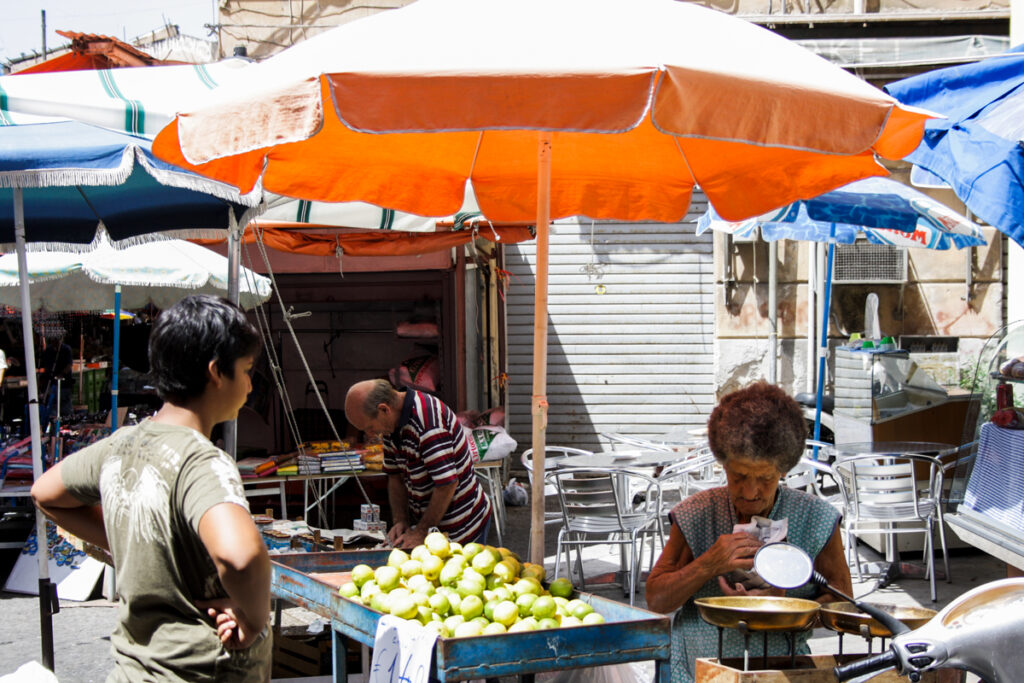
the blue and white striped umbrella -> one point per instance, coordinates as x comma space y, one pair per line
882, 210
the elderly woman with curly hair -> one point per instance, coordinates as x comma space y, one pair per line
758, 435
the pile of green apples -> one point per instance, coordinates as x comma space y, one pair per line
471, 590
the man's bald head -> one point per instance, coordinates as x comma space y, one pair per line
373, 406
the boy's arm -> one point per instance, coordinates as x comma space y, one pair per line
56, 502
243, 565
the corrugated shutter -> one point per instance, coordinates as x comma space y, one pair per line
631, 330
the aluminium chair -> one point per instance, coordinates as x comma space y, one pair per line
596, 509
681, 479
891, 495
550, 453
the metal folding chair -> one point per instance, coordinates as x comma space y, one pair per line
597, 509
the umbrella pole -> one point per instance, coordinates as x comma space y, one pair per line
539, 403
46, 593
116, 360
823, 346
234, 259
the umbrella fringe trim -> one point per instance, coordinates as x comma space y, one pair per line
65, 177
198, 183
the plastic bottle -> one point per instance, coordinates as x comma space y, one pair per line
868, 346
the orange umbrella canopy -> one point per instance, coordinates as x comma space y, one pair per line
643, 100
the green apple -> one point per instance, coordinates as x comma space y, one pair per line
451, 572
524, 586
420, 598
482, 620
561, 588
484, 561
579, 609
387, 578
453, 621
432, 565
369, 589
467, 587
543, 607
473, 575
505, 571
506, 612
525, 604
471, 606
424, 614
502, 593
420, 584
570, 621
527, 624
420, 552
468, 629
361, 573
397, 557
439, 628
545, 624
439, 603
470, 550
494, 628
380, 602
532, 570
348, 589
437, 544
489, 607
401, 605
411, 568
593, 618
455, 548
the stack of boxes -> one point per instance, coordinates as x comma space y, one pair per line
369, 519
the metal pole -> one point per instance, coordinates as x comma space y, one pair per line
812, 287
42, 546
117, 357
234, 260
823, 347
773, 312
539, 402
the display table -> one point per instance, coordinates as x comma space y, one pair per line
991, 518
319, 485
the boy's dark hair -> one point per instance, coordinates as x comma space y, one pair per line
191, 333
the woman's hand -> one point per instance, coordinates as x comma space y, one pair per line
739, 589
731, 551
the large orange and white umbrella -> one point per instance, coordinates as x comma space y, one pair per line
550, 108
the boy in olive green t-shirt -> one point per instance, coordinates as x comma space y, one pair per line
193, 575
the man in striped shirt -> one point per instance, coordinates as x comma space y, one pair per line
431, 482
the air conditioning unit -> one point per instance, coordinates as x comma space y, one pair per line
867, 263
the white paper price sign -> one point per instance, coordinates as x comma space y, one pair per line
401, 652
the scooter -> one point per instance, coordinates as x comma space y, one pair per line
982, 631
808, 404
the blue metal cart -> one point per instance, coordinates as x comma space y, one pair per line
629, 634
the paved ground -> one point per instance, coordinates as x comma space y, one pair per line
81, 629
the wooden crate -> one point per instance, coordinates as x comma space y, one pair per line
294, 658
808, 669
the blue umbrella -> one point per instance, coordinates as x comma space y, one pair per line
883, 210
977, 148
63, 179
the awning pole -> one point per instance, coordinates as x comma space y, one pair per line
115, 361
823, 347
234, 261
42, 546
539, 402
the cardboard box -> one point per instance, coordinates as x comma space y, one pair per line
808, 669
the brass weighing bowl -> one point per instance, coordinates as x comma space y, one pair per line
760, 613
844, 617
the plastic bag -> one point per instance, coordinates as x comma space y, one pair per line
515, 494
493, 443
615, 673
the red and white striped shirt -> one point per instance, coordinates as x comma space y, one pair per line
429, 449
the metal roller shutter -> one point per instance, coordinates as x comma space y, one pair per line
631, 330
